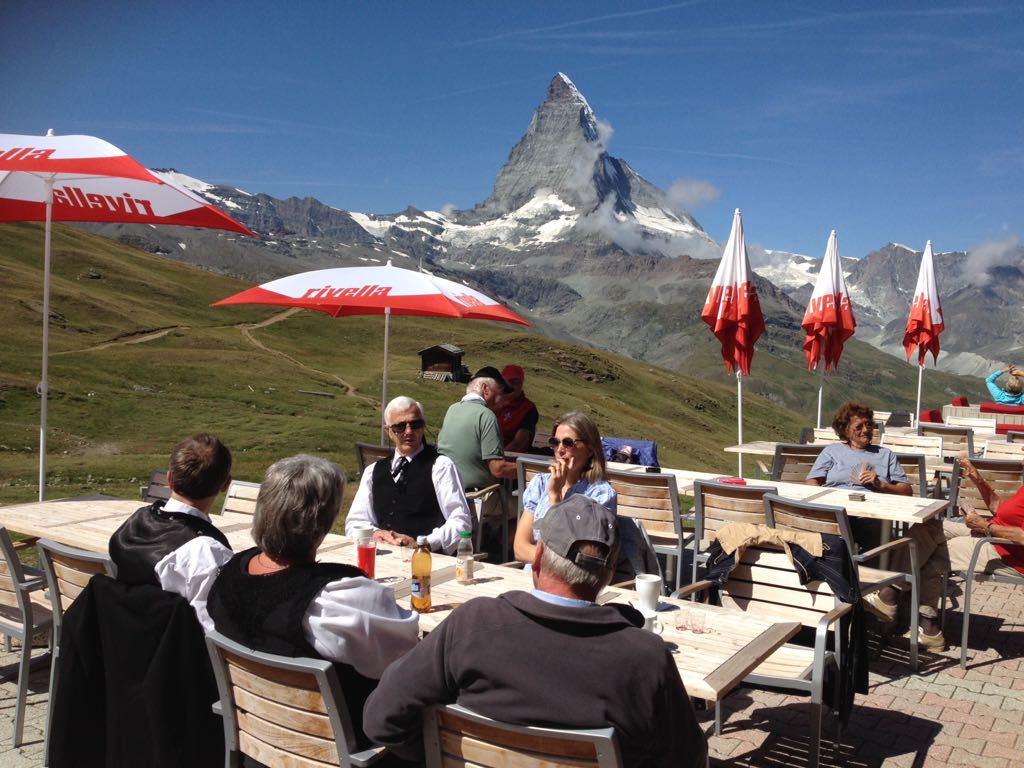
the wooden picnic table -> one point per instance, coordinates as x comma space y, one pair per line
710, 664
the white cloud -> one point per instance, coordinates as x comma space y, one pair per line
581, 177
686, 194
992, 253
448, 210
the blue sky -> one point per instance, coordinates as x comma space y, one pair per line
886, 121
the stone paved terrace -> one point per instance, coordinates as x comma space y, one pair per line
943, 716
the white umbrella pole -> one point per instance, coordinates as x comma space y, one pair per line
44, 383
821, 386
920, 375
384, 386
739, 416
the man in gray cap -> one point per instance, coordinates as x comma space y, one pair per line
550, 657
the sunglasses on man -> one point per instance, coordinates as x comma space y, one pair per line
565, 442
401, 426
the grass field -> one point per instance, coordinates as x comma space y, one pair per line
138, 359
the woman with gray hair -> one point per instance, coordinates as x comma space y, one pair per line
276, 598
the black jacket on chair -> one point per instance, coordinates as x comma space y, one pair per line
134, 683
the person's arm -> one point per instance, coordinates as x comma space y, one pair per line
820, 468
454, 506
988, 494
1008, 532
357, 621
501, 469
523, 543
361, 510
994, 389
190, 571
521, 442
393, 713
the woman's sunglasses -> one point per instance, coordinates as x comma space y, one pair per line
566, 442
401, 426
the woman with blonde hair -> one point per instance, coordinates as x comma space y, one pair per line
1013, 391
579, 467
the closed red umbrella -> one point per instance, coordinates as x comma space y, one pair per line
733, 313
82, 178
828, 321
925, 322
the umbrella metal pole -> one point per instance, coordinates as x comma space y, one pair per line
821, 386
739, 416
920, 375
384, 386
44, 383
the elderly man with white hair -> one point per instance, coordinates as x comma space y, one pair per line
414, 492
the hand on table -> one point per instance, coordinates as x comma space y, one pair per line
394, 538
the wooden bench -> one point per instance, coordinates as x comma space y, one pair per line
793, 461
998, 449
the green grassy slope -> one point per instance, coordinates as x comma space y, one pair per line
139, 359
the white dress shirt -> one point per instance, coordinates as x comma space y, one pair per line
354, 620
450, 498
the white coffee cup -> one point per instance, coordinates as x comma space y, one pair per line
648, 590
651, 622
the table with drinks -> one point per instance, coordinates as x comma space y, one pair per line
714, 648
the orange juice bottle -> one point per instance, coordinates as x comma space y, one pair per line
420, 599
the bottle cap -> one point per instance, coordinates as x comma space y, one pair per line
421, 541
465, 534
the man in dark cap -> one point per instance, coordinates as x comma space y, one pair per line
471, 438
550, 657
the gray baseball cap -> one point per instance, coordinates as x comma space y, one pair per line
577, 520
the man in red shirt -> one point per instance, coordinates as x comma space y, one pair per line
517, 415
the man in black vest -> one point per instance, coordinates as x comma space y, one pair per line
199, 470
414, 492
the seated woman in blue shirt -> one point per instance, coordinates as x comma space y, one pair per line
579, 467
1013, 394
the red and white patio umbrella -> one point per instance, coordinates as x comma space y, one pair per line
828, 321
733, 313
925, 322
385, 290
82, 178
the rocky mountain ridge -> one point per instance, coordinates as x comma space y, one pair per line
590, 250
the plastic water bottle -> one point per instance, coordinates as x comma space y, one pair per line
421, 567
464, 558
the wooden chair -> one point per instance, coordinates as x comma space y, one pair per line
368, 453
241, 497
997, 449
980, 424
929, 446
914, 466
455, 736
957, 442
718, 504
818, 436
652, 498
765, 582
1005, 476
824, 519
283, 712
157, 489
793, 461
68, 571
21, 619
